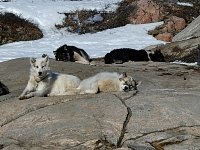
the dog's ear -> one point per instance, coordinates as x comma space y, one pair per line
32, 61
65, 47
121, 79
54, 52
124, 74
47, 58
138, 83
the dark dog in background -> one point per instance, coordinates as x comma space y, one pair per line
127, 54
71, 53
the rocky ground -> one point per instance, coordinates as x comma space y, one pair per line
162, 115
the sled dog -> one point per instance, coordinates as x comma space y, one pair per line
71, 53
107, 82
127, 54
43, 82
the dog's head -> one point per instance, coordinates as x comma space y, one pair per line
127, 83
40, 67
157, 56
62, 53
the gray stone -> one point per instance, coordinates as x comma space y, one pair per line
185, 50
163, 113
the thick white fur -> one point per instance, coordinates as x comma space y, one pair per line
104, 82
43, 82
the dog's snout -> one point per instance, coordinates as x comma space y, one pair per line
126, 88
39, 73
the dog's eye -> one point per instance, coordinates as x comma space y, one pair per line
43, 66
36, 66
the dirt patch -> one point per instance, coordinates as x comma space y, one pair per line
14, 28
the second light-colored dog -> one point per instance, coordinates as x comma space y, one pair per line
107, 82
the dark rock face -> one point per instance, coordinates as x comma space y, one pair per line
3, 89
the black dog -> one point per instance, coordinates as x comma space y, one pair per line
71, 53
3, 89
127, 54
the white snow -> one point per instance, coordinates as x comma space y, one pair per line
184, 63
185, 4
45, 14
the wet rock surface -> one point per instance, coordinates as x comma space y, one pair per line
162, 115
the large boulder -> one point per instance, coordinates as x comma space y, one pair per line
163, 114
185, 50
169, 28
191, 31
167, 37
145, 11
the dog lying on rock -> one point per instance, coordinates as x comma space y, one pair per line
107, 82
122, 55
43, 82
71, 53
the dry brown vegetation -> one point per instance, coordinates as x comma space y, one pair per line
14, 28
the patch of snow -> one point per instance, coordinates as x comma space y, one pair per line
185, 4
47, 13
184, 63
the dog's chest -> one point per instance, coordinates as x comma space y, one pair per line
40, 86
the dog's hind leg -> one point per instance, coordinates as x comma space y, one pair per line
83, 61
93, 89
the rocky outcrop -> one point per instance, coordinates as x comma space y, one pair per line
167, 37
3, 89
145, 11
162, 114
168, 29
185, 50
191, 31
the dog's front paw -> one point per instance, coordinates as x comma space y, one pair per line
22, 97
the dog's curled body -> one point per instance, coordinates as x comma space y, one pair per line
43, 82
122, 55
106, 82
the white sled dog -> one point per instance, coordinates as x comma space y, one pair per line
107, 82
43, 82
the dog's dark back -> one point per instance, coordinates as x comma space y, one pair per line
127, 54
124, 55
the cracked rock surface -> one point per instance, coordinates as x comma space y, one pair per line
164, 113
